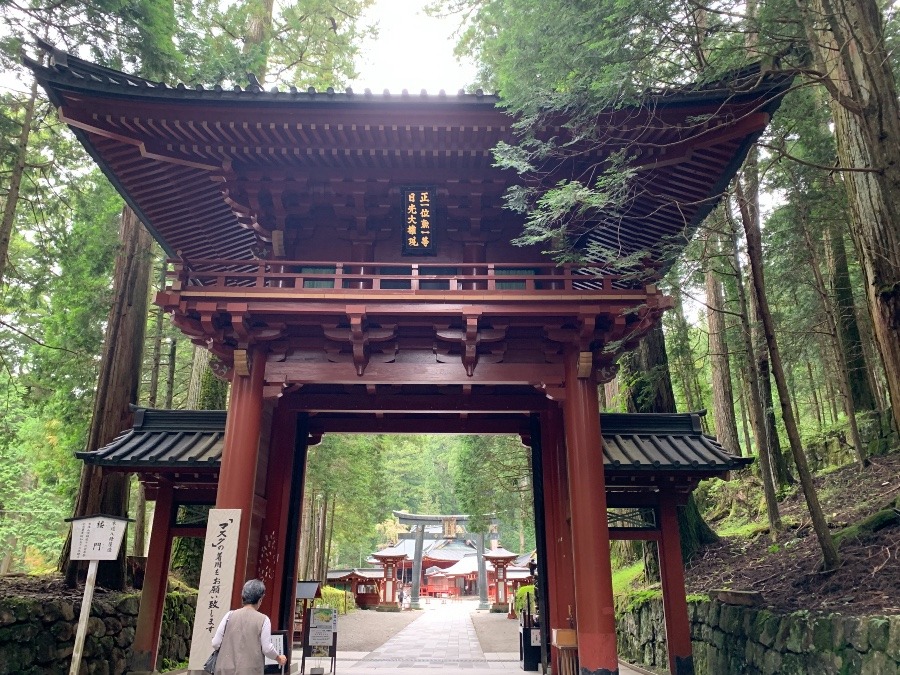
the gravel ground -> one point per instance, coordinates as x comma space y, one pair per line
495, 632
365, 629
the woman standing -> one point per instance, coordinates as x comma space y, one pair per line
244, 637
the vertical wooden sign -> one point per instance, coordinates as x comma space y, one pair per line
418, 219
216, 581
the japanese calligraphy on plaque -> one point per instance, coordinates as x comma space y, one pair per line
216, 581
418, 215
97, 537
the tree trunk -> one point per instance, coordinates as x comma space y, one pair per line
722, 392
757, 416
681, 343
198, 367
846, 39
815, 396
763, 367
837, 348
117, 388
139, 542
754, 255
15, 179
326, 561
858, 371
745, 428
258, 37
11, 544
651, 391
156, 349
170, 376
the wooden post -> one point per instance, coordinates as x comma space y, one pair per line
84, 616
596, 623
153, 593
237, 475
559, 575
671, 569
271, 549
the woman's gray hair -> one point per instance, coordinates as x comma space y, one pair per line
253, 591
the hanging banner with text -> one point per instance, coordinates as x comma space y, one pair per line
216, 581
418, 218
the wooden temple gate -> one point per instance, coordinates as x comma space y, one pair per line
347, 260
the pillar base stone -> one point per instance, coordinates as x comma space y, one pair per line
684, 665
599, 671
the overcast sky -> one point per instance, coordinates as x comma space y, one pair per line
413, 51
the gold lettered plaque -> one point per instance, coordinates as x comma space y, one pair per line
418, 223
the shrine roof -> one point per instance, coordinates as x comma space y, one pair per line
171, 441
214, 172
366, 573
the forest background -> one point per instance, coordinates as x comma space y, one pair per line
787, 302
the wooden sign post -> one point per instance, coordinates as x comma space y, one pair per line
94, 538
216, 582
320, 637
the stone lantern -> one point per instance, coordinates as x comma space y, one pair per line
500, 558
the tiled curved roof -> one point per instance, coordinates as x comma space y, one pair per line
213, 172
175, 440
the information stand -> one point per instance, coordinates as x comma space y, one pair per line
320, 637
94, 538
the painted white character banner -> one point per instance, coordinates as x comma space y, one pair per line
216, 581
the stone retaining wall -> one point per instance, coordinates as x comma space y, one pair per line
37, 635
748, 641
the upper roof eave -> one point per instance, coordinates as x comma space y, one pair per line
70, 73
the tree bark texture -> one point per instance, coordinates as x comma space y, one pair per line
858, 370
837, 347
846, 38
820, 526
117, 387
650, 390
722, 392
15, 179
757, 415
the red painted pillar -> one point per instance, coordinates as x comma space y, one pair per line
153, 594
671, 570
273, 535
237, 475
596, 624
560, 580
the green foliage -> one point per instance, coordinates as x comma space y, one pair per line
50, 334
492, 476
625, 578
522, 595
632, 602
336, 598
302, 43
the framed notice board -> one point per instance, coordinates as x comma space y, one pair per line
280, 640
320, 636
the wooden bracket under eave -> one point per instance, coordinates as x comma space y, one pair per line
241, 363
585, 364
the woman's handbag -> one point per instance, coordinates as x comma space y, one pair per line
210, 665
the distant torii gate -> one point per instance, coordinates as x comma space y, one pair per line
448, 525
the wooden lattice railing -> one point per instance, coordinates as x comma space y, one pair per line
392, 278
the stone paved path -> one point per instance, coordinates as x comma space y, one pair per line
443, 638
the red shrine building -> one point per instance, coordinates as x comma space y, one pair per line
346, 258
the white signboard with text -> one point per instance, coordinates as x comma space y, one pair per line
97, 537
322, 626
216, 581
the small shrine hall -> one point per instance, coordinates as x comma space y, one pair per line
346, 257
